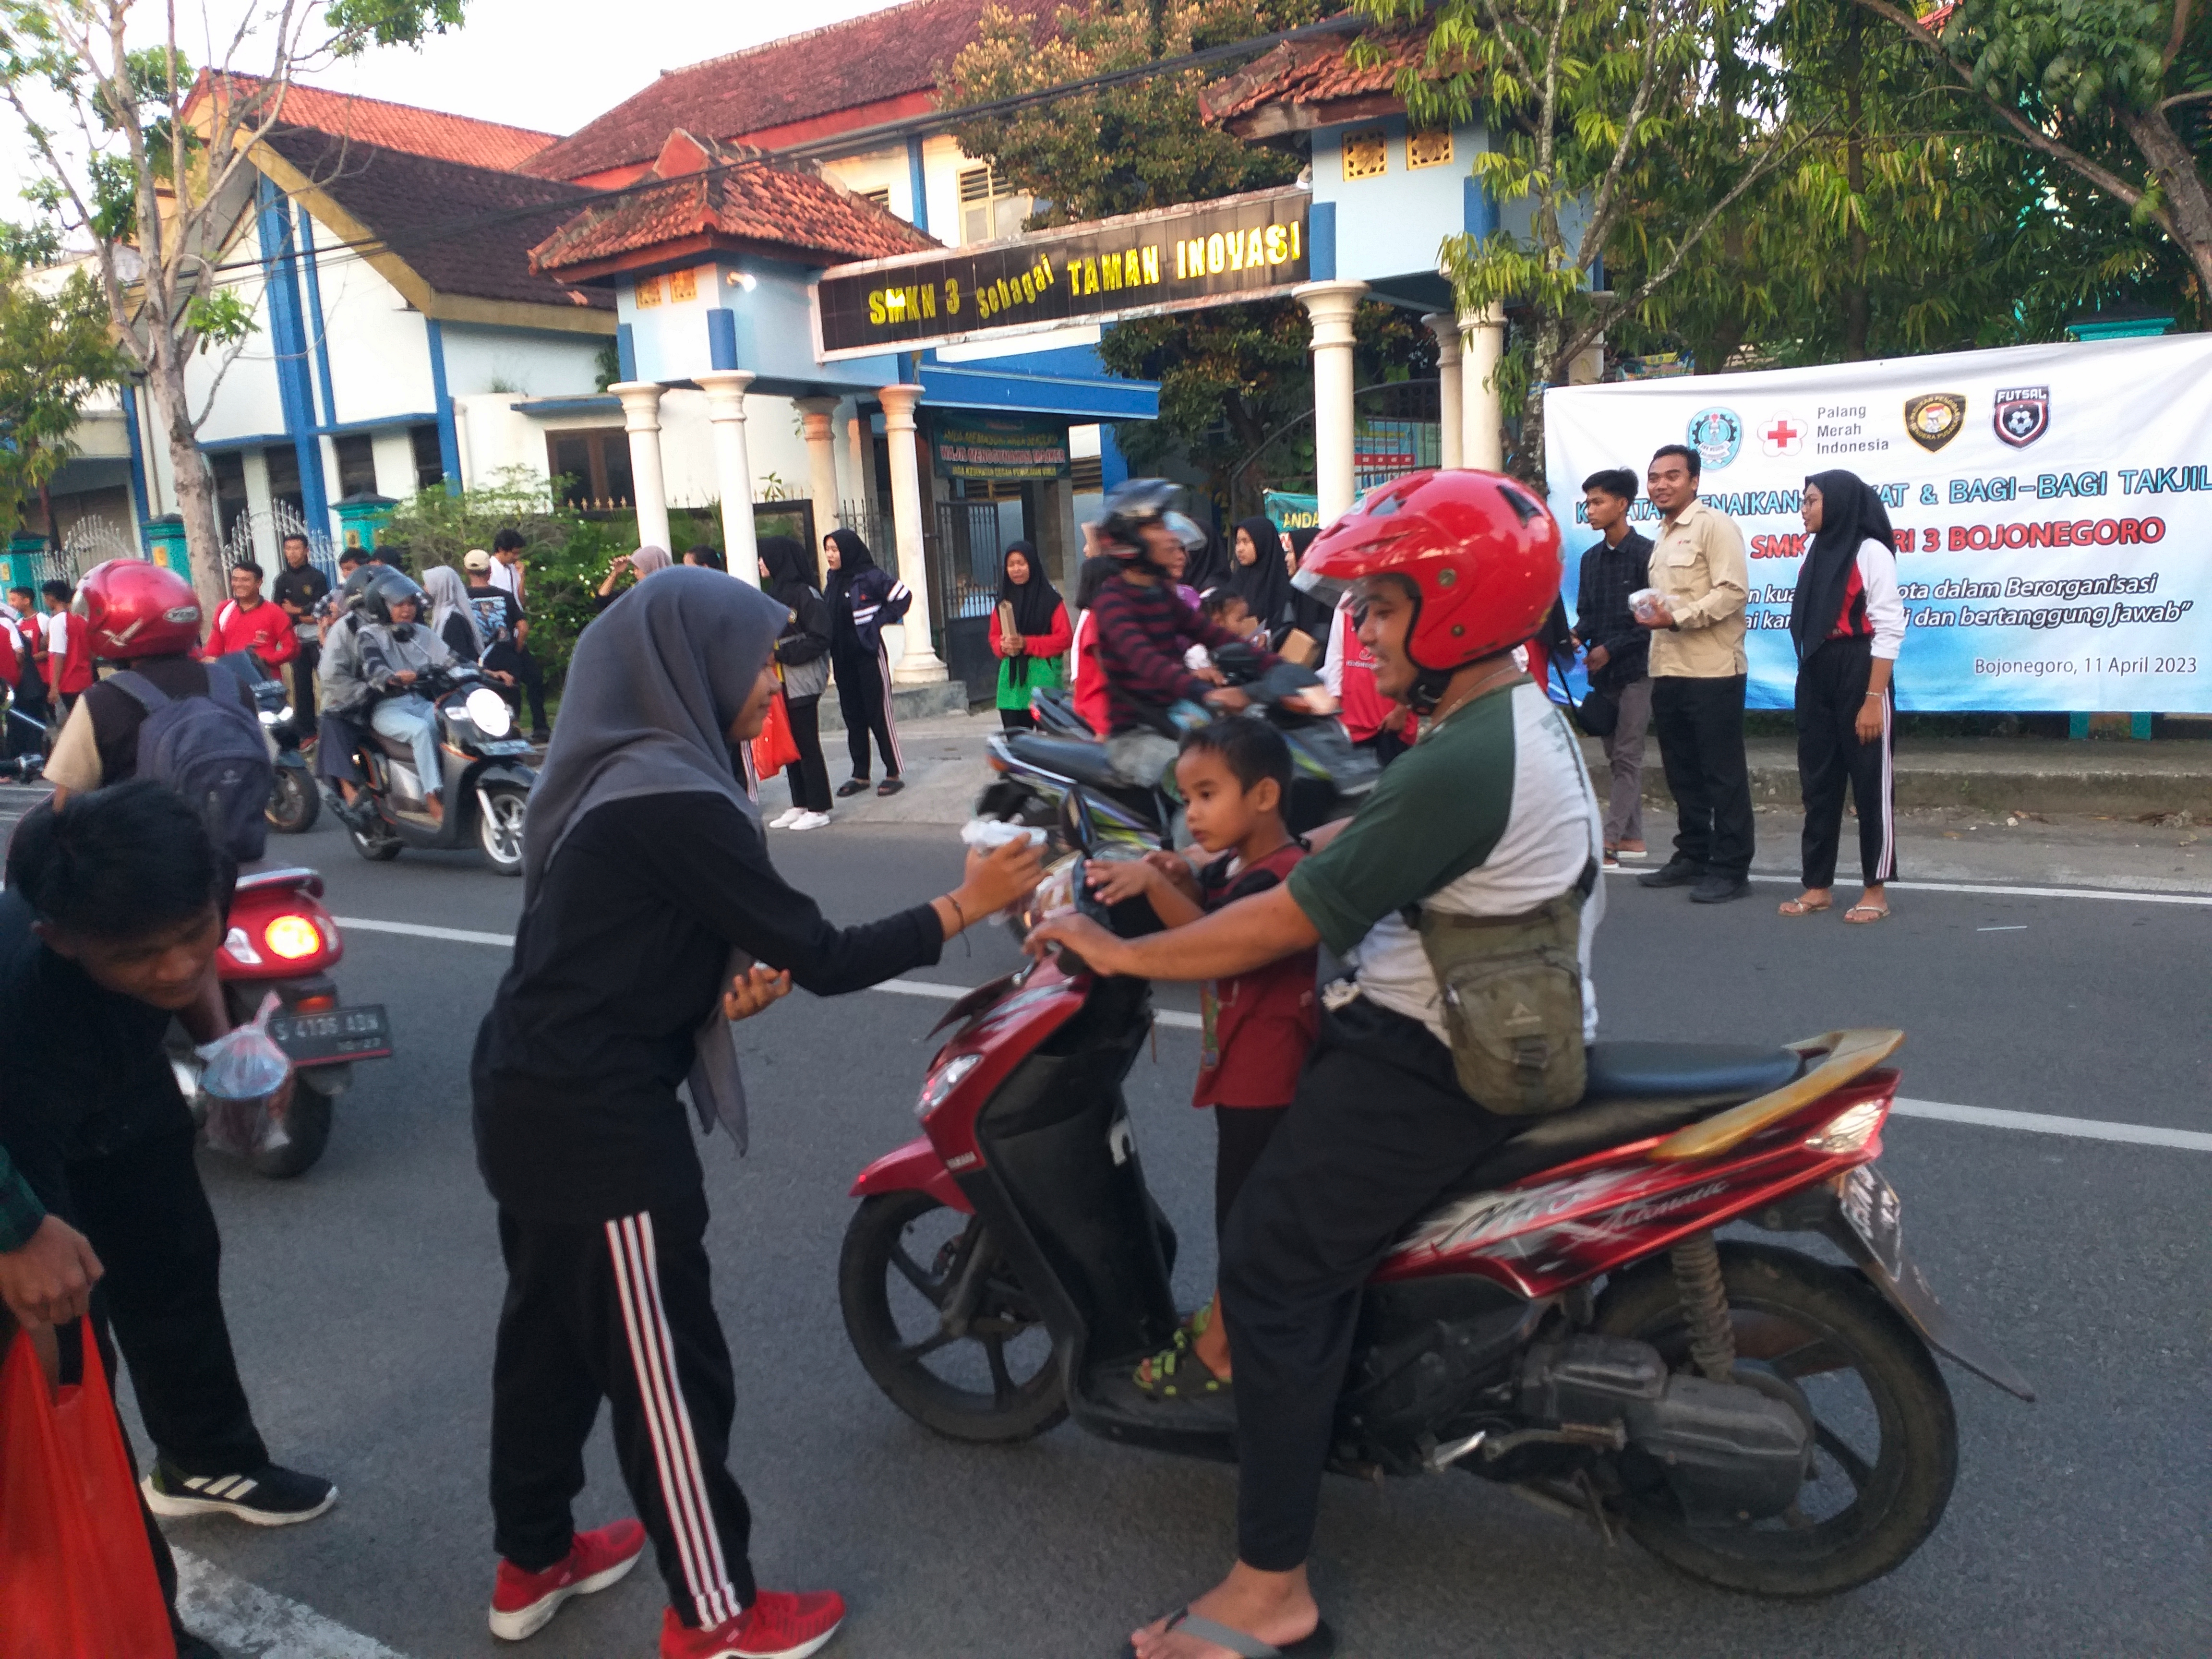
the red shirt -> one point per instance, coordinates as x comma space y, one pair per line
266, 631
1258, 1026
74, 674
1087, 679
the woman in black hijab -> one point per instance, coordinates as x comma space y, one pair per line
1030, 657
651, 916
802, 655
1847, 622
1208, 567
864, 600
1259, 576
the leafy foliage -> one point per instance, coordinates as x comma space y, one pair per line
54, 353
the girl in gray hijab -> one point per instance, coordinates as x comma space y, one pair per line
646, 878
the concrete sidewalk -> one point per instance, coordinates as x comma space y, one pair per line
2001, 809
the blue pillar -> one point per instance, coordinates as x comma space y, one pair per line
139, 495
1321, 242
917, 183
316, 336
280, 277
449, 436
1478, 209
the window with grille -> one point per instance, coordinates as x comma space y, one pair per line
989, 206
429, 459
1429, 149
590, 469
1366, 153
357, 453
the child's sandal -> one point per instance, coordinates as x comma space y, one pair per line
1177, 1373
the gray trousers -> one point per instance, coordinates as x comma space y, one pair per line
1624, 753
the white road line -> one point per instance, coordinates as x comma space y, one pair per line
2044, 1123
1987, 1117
421, 930
2010, 927
1997, 890
254, 1623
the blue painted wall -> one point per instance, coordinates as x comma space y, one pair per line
1390, 224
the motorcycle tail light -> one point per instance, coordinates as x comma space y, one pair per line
943, 1081
1851, 1128
309, 1005
239, 949
293, 937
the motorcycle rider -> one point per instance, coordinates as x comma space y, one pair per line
1143, 628
338, 675
396, 655
1491, 816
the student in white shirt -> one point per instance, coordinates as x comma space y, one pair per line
1847, 622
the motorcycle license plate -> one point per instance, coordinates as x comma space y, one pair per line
1872, 1210
328, 1033
506, 746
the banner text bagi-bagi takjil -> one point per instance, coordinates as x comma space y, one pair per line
2053, 506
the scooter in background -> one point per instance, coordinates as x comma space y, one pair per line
484, 791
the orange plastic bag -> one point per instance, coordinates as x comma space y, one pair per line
77, 1576
775, 748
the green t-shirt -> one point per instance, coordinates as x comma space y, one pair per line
1491, 814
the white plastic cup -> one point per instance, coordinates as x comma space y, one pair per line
1645, 602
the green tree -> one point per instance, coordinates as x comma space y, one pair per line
1228, 376
1589, 107
55, 352
150, 161
2117, 93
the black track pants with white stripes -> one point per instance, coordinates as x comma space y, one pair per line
1832, 685
620, 1311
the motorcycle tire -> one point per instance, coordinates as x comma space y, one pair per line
375, 847
307, 1126
1803, 1329
499, 827
294, 803
876, 1258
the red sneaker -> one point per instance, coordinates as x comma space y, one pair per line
522, 1603
776, 1627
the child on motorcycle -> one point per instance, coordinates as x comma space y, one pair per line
1234, 775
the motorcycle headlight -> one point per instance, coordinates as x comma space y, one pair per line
489, 712
276, 716
943, 1081
1055, 891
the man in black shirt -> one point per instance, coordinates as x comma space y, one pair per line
300, 588
1617, 651
501, 572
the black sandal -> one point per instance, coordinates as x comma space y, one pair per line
1321, 1644
1177, 1372
890, 786
853, 787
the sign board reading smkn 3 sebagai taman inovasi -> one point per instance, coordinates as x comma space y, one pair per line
1141, 265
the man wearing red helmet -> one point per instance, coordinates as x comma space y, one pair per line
1491, 817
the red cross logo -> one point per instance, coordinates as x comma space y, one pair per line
1783, 437
1781, 433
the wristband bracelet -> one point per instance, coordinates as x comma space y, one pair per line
958, 911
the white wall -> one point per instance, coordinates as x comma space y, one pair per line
533, 365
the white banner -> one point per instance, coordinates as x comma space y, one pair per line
2053, 506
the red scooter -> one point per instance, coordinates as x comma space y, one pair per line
282, 939
1563, 1319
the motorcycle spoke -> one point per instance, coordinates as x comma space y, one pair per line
933, 1289
913, 1353
1856, 1468
1002, 1381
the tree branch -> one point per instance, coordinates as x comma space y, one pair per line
2174, 39
1603, 202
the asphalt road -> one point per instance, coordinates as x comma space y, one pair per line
362, 1298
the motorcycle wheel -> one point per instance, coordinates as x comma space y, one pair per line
1885, 1439
374, 845
308, 1126
499, 827
294, 803
997, 1382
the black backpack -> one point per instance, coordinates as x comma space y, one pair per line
210, 750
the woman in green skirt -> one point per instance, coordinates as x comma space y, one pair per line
1030, 635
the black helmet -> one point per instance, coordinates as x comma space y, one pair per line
389, 587
353, 592
1130, 506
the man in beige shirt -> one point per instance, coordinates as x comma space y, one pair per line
1698, 669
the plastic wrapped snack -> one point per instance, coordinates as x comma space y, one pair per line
243, 1072
990, 834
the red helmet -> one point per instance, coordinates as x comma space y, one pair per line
1481, 550
137, 609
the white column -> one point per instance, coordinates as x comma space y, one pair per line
820, 460
920, 664
640, 402
1331, 305
858, 437
733, 468
1445, 327
1482, 422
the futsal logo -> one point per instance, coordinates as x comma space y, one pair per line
2023, 415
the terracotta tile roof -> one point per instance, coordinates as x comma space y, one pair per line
1311, 83
464, 230
394, 126
844, 66
730, 196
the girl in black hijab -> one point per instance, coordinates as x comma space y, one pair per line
802, 655
1208, 567
1847, 622
1259, 576
1028, 658
864, 600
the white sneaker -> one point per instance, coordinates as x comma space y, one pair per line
785, 819
808, 821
